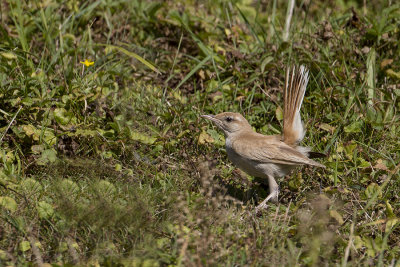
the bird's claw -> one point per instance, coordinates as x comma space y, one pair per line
260, 207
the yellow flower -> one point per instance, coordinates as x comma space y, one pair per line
87, 63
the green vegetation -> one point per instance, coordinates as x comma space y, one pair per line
110, 164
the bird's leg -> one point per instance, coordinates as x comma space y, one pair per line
320, 187
273, 193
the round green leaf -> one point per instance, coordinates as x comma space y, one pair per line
106, 187
24, 246
30, 185
45, 210
63, 117
48, 156
69, 187
8, 203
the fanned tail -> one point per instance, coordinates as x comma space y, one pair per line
295, 88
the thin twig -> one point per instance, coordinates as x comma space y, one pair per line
9, 125
36, 251
349, 244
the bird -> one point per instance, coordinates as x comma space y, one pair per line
270, 156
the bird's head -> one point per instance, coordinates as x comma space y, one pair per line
229, 122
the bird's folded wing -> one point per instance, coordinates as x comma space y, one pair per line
271, 151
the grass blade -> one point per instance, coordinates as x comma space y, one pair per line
134, 55
371, 73
193, 71
289, 15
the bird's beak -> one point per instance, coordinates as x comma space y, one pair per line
210, 117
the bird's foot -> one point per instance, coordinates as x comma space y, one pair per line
273, 196
260, 207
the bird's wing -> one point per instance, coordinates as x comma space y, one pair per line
270, 149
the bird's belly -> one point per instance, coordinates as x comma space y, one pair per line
258, 169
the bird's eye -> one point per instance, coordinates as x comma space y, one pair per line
229, 119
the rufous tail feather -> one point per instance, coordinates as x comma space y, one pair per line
295, 88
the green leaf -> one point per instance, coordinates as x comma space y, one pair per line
30, 185
391, 223
27, 101
362, 163
247, 10
37, 149
373, 189
63, 117
336, 215
389, 210
8, 55
63, 247
358, 242
3, 255
204, 137
392, 74
24, 246
152, 9
327, 127
279, 114
218, 138
30, 130
48, 156
178, 96
44, 134
355, 127
45, 210
106, 187
108, 134
8, 203
86, 133
48, 137
371, 246
142, 138
266, 62
107, 154
69, 187
349, 149
118, 167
